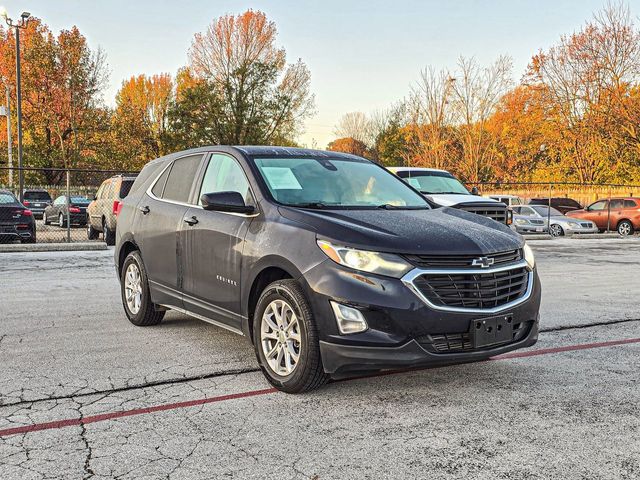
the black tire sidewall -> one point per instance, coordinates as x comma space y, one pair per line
625, 222
279, 291
137, 319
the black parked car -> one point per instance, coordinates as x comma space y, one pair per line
36, 200
562, 204
57, 211
16, 221
329, 263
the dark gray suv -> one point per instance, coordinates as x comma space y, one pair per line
330, 264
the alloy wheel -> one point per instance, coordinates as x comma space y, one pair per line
624, 229
280, 337
556, 230
133, 288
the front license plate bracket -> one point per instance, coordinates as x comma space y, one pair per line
485, 332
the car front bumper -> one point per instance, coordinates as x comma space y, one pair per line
403, 330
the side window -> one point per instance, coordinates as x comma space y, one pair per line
616, 204
180, 179
601, 205
224, 174
630, 204
158, 188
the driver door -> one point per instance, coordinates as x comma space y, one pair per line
214, 244
598, 213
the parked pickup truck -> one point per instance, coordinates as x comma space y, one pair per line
444, 190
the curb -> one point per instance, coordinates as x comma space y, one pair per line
53, 247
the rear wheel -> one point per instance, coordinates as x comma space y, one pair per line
92, 233
556, 230
285, 338
109, 235
625, 228
134, 288
61, 221
44, 218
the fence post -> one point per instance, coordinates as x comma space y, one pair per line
68, 204
609, 212
549, 210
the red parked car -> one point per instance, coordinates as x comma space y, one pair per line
621, 214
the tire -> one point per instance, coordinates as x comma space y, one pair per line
92, 233
625, 228
109, 235
146, 314
308, 373
61, 222
556, 230
31, 239
44, 219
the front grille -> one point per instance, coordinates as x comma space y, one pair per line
462, 261
461, 342
585, 225
533, 221
473, 290
495, 213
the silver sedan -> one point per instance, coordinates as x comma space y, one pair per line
535, 218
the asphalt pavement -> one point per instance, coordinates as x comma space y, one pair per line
85, 394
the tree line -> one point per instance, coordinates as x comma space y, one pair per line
573, 116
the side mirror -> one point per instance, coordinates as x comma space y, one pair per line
225, 202
475, 191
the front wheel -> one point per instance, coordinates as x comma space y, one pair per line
285, 338
134, 288
556, 230
61, 222
625, 228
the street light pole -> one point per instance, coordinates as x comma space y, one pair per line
17, 26
9, 139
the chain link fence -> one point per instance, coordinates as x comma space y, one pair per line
52, 208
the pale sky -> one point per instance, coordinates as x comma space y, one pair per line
363, 55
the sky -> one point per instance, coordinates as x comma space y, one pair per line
363, 55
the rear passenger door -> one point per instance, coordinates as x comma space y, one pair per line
160, 215
214, 244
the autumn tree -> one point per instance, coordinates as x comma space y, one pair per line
588, 78
349, 145
64, 119
241, 89
140, 120
476, 92
357, 126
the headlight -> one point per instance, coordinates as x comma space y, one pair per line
521, 221
373, 262
529, 257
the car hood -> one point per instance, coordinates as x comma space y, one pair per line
448, 199
576, 213
442, 231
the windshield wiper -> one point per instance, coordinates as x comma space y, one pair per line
309, 205
388, 206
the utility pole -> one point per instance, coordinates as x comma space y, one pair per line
17, 26
9, 139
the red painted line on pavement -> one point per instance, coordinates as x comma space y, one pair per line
253, 393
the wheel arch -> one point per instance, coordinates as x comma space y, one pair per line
126, 248
266, 273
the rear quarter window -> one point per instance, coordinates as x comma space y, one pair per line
125, 188
630, 204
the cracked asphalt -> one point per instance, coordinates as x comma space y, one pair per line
88, 395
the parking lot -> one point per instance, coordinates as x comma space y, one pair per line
85, 394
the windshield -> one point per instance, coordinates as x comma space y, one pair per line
434, 182
80, 200
543, 211
335, 183
6, 198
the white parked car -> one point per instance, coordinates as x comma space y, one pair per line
444, 190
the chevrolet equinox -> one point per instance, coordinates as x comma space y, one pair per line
329, 263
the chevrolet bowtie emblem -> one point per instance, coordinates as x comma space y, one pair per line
484, 262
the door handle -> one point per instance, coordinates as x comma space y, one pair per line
144, 210
191, 220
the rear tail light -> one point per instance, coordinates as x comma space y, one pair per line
74, 210
509, 217
25, 213
117, 206
26, 203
